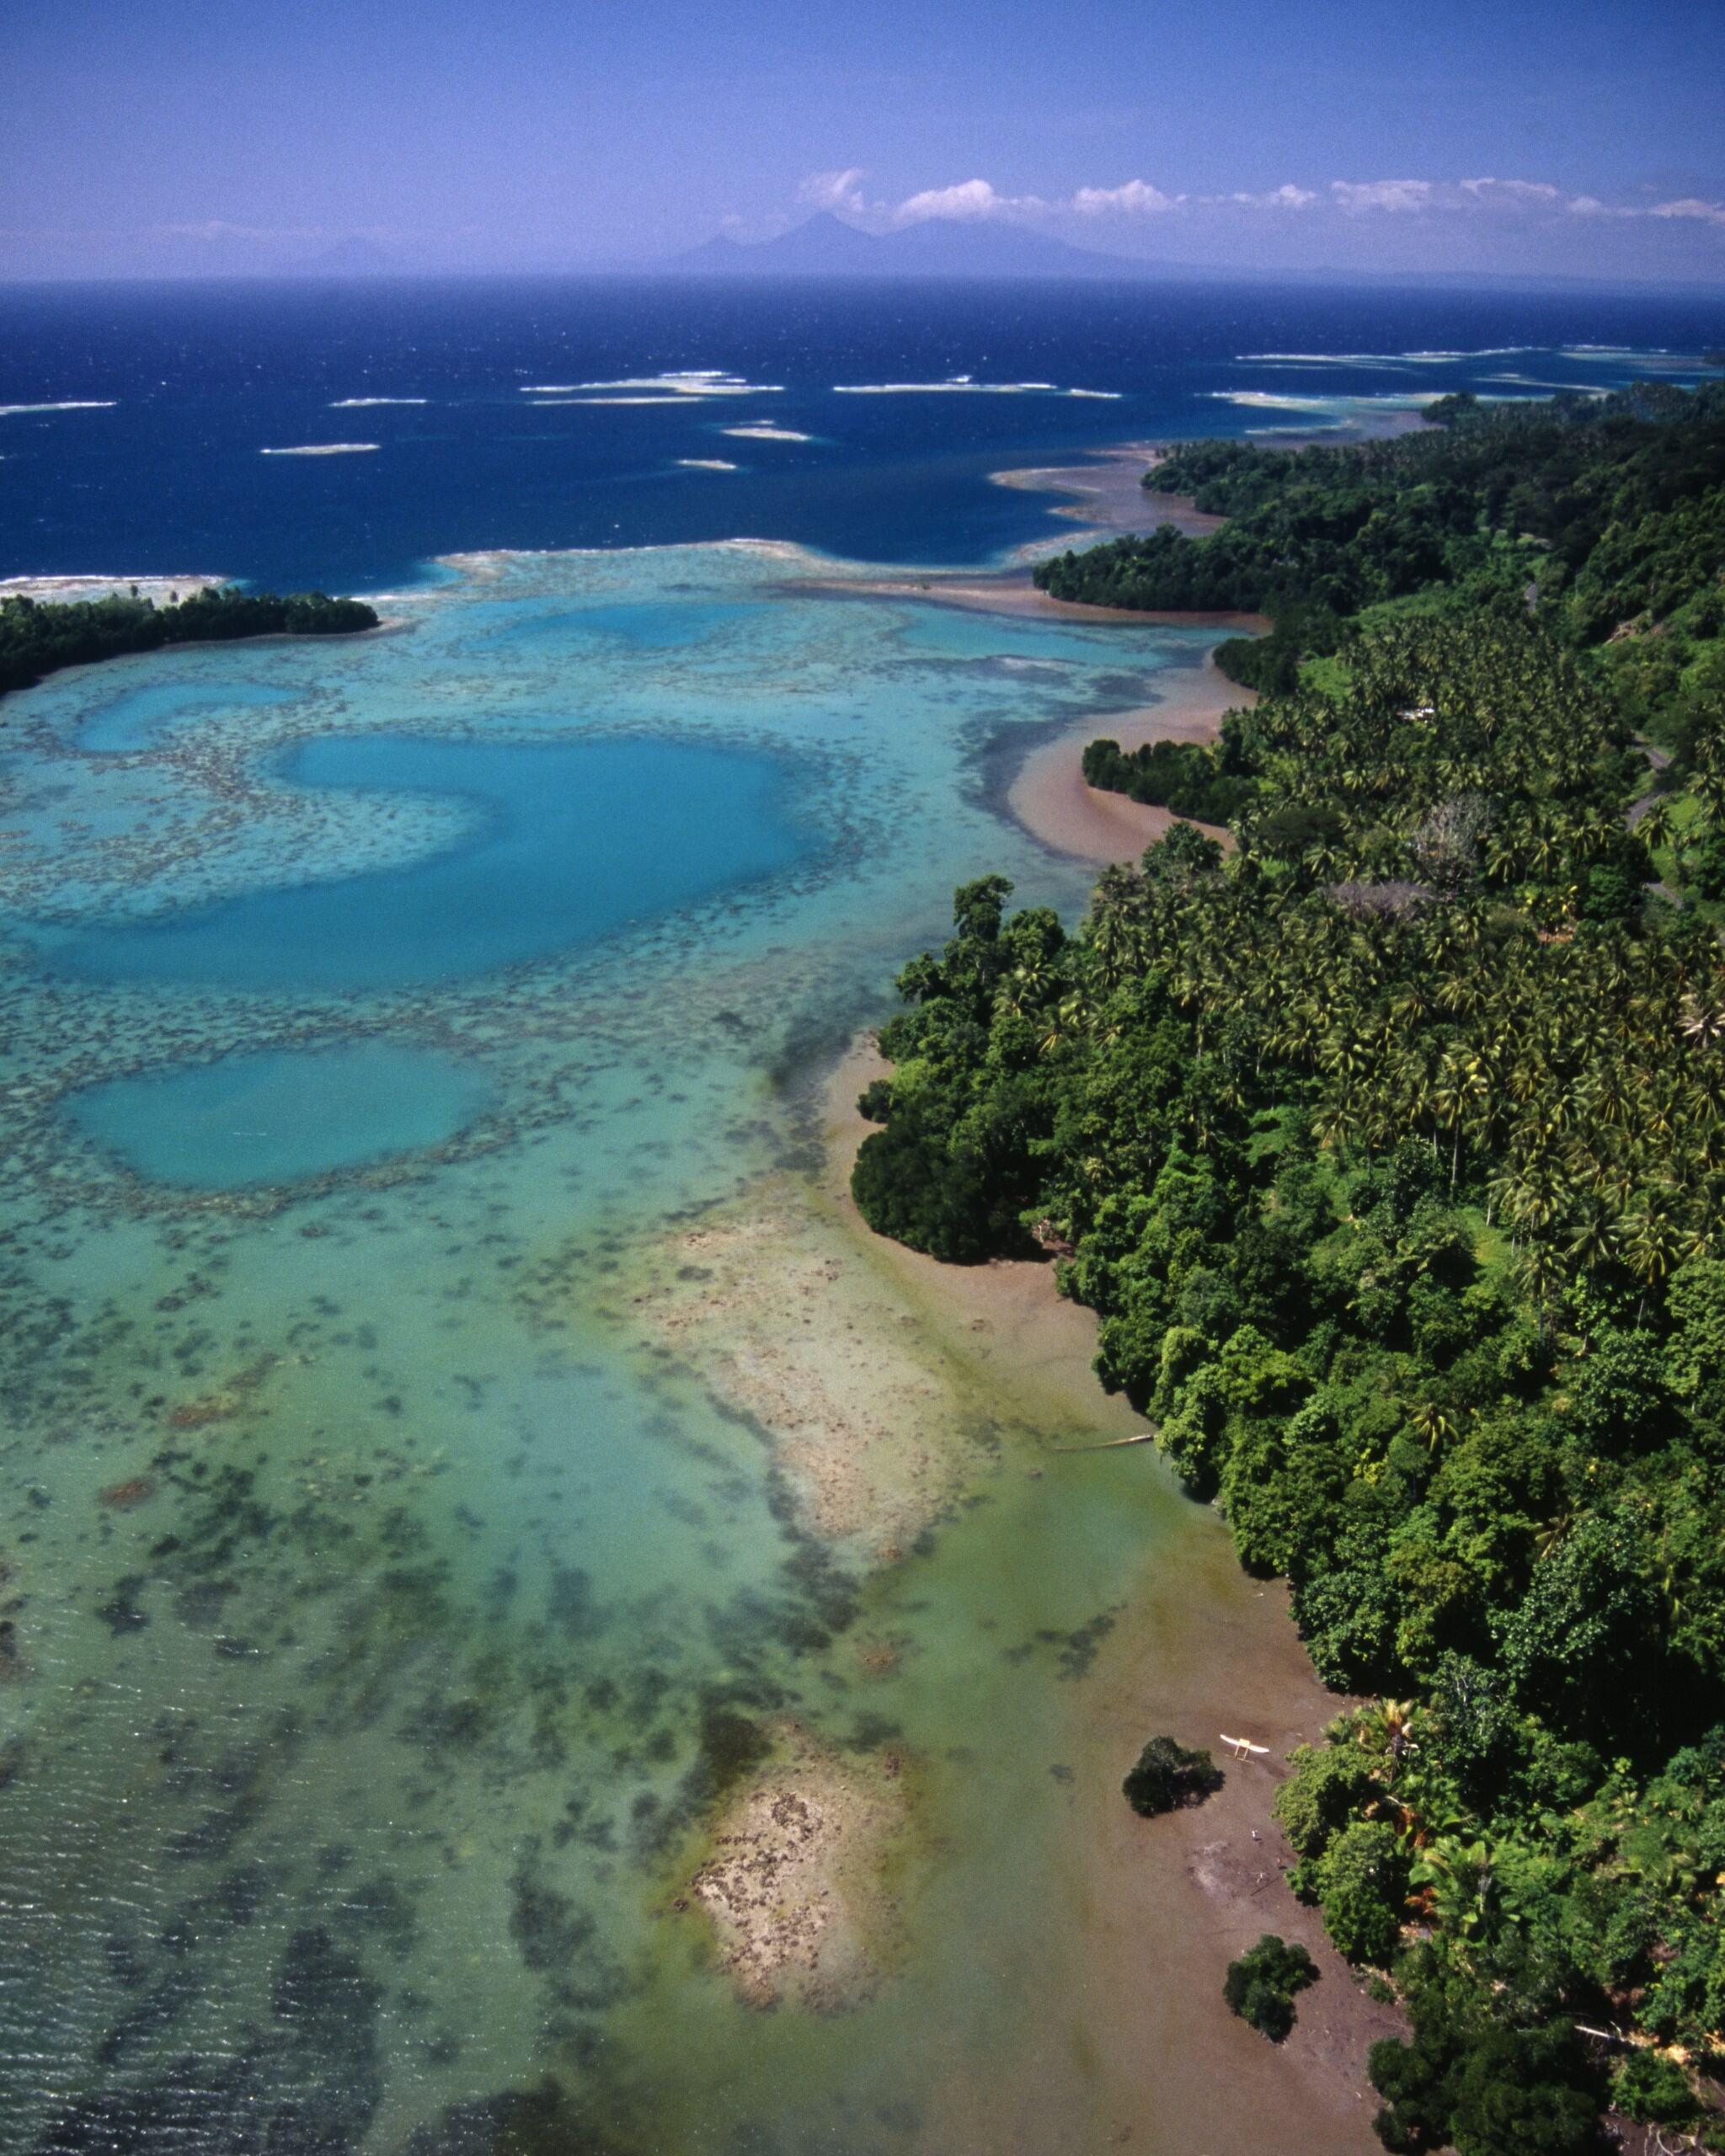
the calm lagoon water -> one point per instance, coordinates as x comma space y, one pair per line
278, 1118
570, 842
137, 717
376, 1013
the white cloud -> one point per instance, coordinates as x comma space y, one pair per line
1136, 197
835, 190
1531, 198
970, 200
1691, 205
1517, 193
978, 200
1355, 196
1285, 197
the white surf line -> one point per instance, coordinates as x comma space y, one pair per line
692, 382
964, 385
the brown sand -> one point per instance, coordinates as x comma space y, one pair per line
1050, 797
1168, 1903
1003, 1319
794, 1888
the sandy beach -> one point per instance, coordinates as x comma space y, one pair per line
1048, 796
66, 590
1168, 1903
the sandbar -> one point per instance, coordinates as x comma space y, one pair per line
782, 1316
1048, 796
1107, 494
1052, 802
1010, 591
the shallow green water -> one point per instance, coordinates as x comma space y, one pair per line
349, 1738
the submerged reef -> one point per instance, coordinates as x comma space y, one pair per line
797, 1889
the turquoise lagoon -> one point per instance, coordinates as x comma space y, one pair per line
570, 841
282, 1116
371, 1574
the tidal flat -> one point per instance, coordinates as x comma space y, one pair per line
407, 1571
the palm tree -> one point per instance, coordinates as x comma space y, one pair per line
1703, 1017
1540, 1274
1592, 1233
1654, 825
1431, 1423
1651, 1243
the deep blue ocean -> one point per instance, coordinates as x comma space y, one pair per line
182, 386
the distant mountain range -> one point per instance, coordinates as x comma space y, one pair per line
826, 246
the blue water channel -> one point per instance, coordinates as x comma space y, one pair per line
570, 842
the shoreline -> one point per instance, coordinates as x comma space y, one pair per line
1010, 591
1107, 494
1050, 799
70, 591
1048, 796
1164, 1904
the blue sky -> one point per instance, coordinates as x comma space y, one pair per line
1584, 137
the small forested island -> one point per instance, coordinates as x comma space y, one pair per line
38, 636
1390, 1152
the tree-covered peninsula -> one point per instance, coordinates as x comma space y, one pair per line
1606, 517
38, 638
1390, 1154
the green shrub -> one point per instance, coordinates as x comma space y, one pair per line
1168, 1777
1362, 1884
1260, 1985
1652, 2091
1327, 1785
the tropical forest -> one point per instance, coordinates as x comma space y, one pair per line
1387, 1143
